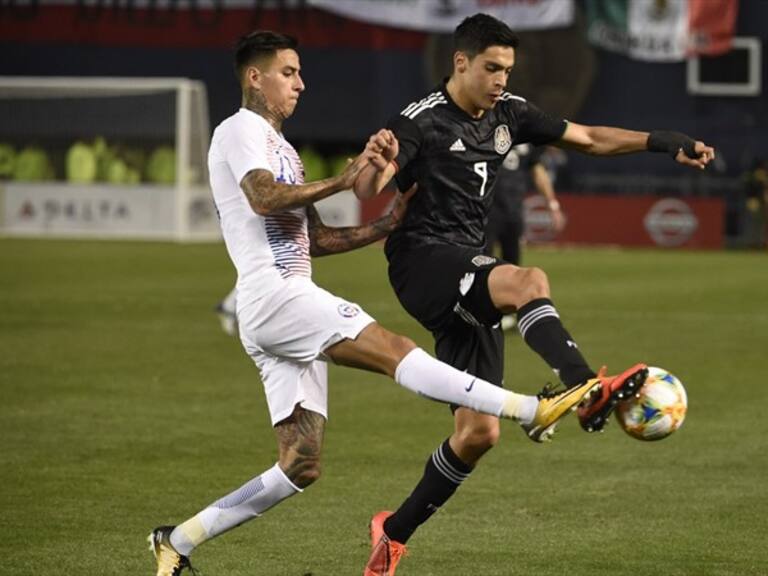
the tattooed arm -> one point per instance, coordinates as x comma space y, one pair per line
267, 196
324, 240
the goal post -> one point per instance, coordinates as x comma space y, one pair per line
105, 157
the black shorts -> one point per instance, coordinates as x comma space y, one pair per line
446, 289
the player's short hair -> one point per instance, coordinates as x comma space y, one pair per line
259, 45
476, 33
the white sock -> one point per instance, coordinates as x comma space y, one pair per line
247, 502
429, 377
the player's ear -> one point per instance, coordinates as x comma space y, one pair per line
460, 62
253, 76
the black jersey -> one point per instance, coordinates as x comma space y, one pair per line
454, 159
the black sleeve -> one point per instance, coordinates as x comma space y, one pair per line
409, 138
535, 126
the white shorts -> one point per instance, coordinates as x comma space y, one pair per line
286, 332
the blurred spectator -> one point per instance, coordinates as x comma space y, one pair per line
756, 215
522, 167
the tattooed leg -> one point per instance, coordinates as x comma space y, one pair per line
300, 438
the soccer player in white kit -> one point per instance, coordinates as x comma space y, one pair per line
289, 325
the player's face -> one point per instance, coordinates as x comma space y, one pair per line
281, 84
486, 75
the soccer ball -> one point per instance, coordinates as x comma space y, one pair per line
658, 408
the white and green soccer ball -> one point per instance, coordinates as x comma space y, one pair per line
657, 410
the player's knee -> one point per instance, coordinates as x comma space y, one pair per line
535, 284
393, 348
401, 345
481, 437
511, 287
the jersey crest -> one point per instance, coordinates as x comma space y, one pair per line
483, 260
502, 141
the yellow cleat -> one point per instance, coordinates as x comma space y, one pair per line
169, 562
554, 405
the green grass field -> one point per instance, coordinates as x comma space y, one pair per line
123, 406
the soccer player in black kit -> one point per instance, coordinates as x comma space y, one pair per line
451, 143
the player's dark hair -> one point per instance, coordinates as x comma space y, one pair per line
258, 45
478, 32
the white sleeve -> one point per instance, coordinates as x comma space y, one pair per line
245, 148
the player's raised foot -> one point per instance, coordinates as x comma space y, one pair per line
594, 411
553, 406
227, 318
169, 562
385, 553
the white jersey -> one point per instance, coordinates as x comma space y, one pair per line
266, 250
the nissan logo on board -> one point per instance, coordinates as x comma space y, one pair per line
670, 222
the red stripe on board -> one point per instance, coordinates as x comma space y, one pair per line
711, 24
618, 220
187, 28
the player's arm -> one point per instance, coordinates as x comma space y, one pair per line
543, 185
607, 141
374, 180
267, 196
324, 240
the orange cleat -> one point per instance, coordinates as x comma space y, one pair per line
594, 412
385, 553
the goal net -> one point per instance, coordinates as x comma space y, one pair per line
105, 157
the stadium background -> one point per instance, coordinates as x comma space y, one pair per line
123, 406
359, 74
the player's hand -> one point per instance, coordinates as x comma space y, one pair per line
352, 170
558, 218
705, 155
382, 148
378, 151
400, 205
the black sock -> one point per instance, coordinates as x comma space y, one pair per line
443, 473
540, 327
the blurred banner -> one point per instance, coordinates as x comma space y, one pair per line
191, 24
658, 30
662, 30
629, 221
639, 221
104, 211
445, 15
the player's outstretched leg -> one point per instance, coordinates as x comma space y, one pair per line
385, 553
169, 561
527, 291
378, 349
594, 411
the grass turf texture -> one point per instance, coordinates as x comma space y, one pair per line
124, 407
